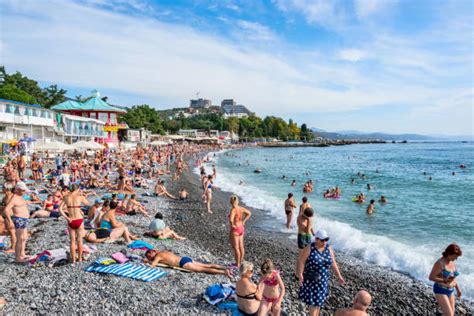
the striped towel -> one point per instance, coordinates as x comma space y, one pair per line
128, 270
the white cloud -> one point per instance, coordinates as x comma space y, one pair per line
233, 7
323, 12
256, 31
353, 54
365, 8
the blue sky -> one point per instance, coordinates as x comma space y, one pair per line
371, 65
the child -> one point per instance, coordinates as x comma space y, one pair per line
273, 289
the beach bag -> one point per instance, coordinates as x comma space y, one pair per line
215, 292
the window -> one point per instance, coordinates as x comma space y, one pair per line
28, 111
35, 112
113, 118
104, 117
10, 108
44, 114
17, 110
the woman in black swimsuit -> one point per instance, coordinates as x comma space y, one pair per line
248, 295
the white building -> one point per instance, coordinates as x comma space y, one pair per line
18, 119
188, 132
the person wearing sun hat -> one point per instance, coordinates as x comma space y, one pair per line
312, 270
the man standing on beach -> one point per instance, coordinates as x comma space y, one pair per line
7, 191
290, 205
18, 207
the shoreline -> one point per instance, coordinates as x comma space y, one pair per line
393, 291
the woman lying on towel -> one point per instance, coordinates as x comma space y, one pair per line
102, 235
154, 257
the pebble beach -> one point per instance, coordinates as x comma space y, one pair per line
43, 290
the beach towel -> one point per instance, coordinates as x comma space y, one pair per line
140, 244
119, 257
218, 292
230, 306
128, 270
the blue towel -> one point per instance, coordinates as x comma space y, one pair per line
128, 270
137, 244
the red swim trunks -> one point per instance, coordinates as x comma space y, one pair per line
76, 223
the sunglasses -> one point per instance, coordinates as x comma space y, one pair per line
324, 240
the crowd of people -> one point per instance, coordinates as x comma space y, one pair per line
91, 193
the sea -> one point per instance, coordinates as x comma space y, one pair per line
407, 234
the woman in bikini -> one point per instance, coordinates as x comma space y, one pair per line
237, 218
208, 193
273, 289
248, 296
48, 207
73, 202
34, 170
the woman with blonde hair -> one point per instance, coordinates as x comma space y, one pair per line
248, 295
237, 218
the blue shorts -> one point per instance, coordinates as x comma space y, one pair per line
20, 222
437, 289
184, 260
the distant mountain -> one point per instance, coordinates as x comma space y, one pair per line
352, 134
314, 129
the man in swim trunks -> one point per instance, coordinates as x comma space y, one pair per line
371, 207
305, 228
304, 205
290, 205
170, 259
73, 202
17, 212
7, 191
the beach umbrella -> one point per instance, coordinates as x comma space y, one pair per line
54, 146
82, 145
95, 145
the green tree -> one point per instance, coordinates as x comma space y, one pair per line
144, 116
10, 92
54, 96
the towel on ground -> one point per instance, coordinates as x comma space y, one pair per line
127, 270
140, 244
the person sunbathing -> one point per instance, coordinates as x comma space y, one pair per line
158, 229
133, 206
160, 190
168, 258
102, 235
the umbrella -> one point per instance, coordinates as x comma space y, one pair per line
95, 145
87, 145
54, 146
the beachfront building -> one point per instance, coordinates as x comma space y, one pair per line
230, 108
188, 132
20, 121
200, 103
97, 109
74, 128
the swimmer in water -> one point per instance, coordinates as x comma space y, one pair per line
353, 181
293, 183
430, 178
371, 207
368, 186
383, 199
